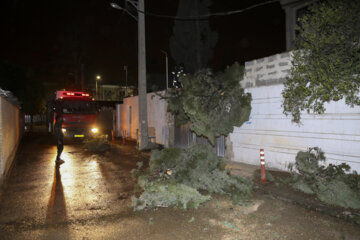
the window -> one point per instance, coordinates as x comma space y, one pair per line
78, 107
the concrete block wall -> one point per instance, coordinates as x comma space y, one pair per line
267, 71
336, 132
9, 135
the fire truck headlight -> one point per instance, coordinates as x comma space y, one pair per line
94, 130
63, 130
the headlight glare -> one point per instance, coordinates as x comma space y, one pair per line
63, 130
94, 130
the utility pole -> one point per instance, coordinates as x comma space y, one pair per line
82, 77
98, 77
126, 76
143, 123
143, 139
167, 69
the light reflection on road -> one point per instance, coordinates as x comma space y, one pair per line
68, 174
81, 180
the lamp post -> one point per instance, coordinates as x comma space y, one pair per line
98, 77
167, 68
143, 123
126, 75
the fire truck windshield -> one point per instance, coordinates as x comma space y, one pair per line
78, 107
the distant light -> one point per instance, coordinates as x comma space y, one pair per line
94, 130
114, 5
63, 130
98, 77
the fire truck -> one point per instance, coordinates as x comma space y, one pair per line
78, 110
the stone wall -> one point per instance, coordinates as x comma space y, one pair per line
267, 71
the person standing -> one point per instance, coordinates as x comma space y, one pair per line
59, 136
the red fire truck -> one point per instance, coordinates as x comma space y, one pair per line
78, 110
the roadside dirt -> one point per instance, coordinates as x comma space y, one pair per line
282, 191
276, 212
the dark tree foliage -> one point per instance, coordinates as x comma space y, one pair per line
193, 41
176, 176
326, 68
24, 86
213, 104
331, 184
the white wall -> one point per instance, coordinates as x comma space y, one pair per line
337, 132
157, 117
9, 135
130, 129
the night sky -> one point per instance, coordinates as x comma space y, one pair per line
46, 37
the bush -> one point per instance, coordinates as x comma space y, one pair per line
330, 184
196, 168
97, 144
337, 192
161, 161
168, 193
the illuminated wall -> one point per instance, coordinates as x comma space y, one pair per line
157, 117
337, 132
9, 135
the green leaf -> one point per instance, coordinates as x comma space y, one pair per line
328, 59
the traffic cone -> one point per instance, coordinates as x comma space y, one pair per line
262, 165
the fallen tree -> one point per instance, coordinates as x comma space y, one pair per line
176, 177
333, 184
213, 104
97, 144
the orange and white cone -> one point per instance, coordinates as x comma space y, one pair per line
262, 165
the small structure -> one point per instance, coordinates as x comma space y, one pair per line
159, 120
115, 92
109, 93
161, 124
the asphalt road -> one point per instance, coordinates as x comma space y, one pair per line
89, 197
45, 201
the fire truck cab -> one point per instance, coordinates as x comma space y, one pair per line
78, 110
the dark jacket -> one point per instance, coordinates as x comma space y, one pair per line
58, 132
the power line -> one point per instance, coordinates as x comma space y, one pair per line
199, 17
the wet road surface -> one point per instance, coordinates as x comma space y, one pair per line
41, 196
89, 197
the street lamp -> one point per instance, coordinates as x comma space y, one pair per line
143, 127
167, 68
98, 77
126, 75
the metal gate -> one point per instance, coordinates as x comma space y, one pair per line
185, 137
